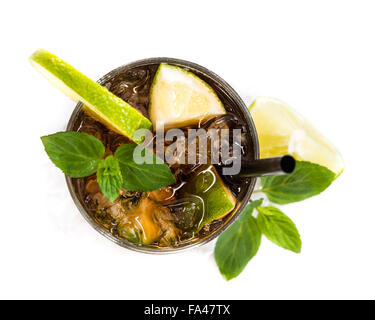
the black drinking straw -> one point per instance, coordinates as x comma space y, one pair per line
268, 167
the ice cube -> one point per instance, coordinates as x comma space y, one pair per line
189, 212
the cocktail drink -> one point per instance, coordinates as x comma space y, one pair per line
203, 200
162, 154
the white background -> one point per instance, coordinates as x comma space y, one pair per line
316, 55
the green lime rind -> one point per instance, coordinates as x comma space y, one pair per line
218, 199
100, 103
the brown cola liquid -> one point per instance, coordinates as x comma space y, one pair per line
167, 208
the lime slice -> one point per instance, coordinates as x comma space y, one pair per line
217, 198
282, 131
179, 98
101, 104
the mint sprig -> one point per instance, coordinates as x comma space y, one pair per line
77, 154
239, 244
109, 178
278, 228
307, 180
80, 155
145, 176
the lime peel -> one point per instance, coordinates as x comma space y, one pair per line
99, 103
208, 186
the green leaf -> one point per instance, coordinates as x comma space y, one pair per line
142, 177
278, 228
109, 178
307, 180
237, 245
77, 154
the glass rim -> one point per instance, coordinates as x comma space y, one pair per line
254, 137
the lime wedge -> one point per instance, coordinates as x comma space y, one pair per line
101, 104
217, 198
282, 131
179, 98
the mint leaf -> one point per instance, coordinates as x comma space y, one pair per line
307, 180
278, 228
77, 154
142, 177
109, 178
239, 244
